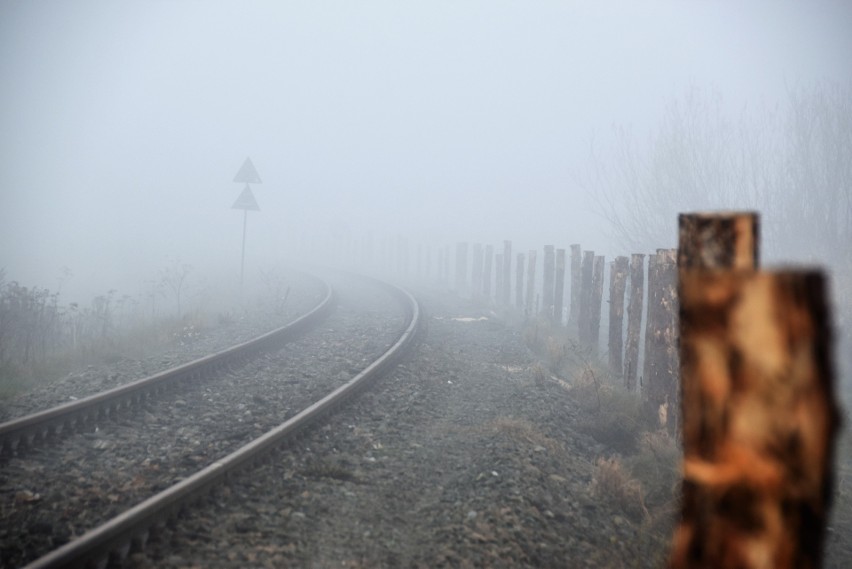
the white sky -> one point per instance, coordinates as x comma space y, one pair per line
122, 124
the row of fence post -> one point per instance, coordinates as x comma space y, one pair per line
742, 353
581, 282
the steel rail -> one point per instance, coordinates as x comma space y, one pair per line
30, 429
114, 539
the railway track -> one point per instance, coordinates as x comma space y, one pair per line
23, 433
139, 470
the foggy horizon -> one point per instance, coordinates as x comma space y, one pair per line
123, 125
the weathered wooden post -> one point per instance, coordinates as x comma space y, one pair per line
574, 308
661, 361
476, 278
634, 320
617, 282
559, 288
547, 283
447, 266
529, 310
597, 300
760, 420
507, 273
584, 327
519, 282
486, 272
498, 276
718, 241
461, 268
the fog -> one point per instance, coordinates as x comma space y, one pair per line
122, 125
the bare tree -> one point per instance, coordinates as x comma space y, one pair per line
173, 278
793, 163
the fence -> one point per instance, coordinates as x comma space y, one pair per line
747, 350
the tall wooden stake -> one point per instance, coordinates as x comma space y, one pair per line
634, 320
760, 420
617, 282
529, 309
547, 283
559, 287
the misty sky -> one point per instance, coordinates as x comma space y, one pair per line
122, 124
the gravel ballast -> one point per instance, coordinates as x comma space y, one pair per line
458, 458
57, 492
464, 455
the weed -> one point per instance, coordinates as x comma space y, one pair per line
330, 469
612, 482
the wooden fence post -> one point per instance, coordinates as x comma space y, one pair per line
661, 361
760, 420
617, 282
476, 278
559, 288
718, 241
486, 272
461, 268
584, 317
574, 308
507, 273
547, 283
519, 282
529, 310
597, 300
634, 320
498, 278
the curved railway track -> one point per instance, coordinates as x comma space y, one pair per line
115, 536
31, 430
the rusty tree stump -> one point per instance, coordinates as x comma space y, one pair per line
760, 420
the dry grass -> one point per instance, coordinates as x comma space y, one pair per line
520, 431
612, 482
135, 342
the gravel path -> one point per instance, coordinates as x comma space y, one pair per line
55, 493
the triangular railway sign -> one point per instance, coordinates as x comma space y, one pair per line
246, 200
248, 174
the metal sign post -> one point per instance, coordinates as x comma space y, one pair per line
248, 175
